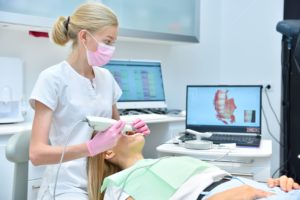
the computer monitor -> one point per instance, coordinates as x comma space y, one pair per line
141, 83
224, 108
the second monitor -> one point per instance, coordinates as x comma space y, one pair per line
141, 83
224, 108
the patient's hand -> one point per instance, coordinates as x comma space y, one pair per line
285, 183
244, 192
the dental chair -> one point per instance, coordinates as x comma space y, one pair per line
17, 151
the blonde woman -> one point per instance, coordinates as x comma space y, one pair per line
176, 178
66, 93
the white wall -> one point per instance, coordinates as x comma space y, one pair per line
251, 54
196, 63
36, 53
40, 53
238, 45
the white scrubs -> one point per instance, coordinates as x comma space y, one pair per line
72, 97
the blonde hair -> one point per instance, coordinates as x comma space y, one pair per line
98, 168
92, 16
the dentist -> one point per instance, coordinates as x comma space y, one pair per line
67, 92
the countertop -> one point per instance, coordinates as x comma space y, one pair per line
12, 128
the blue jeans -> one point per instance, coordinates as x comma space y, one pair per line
237, 181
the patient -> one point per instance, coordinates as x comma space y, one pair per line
172, 178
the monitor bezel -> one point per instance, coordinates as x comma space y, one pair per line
231, 129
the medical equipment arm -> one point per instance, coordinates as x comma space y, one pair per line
105, 140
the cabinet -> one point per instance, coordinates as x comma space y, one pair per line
155, 19
35, 174
35, 14
33, 188
171, 20
6, 172
248, 162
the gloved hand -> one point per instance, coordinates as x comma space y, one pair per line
140, 127
105, 140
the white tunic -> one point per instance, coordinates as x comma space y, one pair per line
72, 97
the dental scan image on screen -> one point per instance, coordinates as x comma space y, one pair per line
217, 107
141, 83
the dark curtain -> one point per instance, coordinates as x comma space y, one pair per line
291, 9
290, 101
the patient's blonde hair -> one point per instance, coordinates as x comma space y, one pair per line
98, 168
92, 16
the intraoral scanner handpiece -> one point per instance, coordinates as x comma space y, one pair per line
199, 134
102, 123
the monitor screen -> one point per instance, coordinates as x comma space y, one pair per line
141, 83
218, 108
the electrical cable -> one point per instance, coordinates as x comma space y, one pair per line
268, 128
281, 166
62, 155
222, 156
272, 109
237, 178
281, 131
146, 166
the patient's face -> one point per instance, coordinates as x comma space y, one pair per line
133, 143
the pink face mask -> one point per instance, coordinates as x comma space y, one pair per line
101, 56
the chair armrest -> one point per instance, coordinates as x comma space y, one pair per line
17, 148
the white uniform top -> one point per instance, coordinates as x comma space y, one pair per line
72, 97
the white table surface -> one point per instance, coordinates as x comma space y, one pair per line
265, 150
7, 129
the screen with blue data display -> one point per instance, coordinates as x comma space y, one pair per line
224, 108
140, 81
